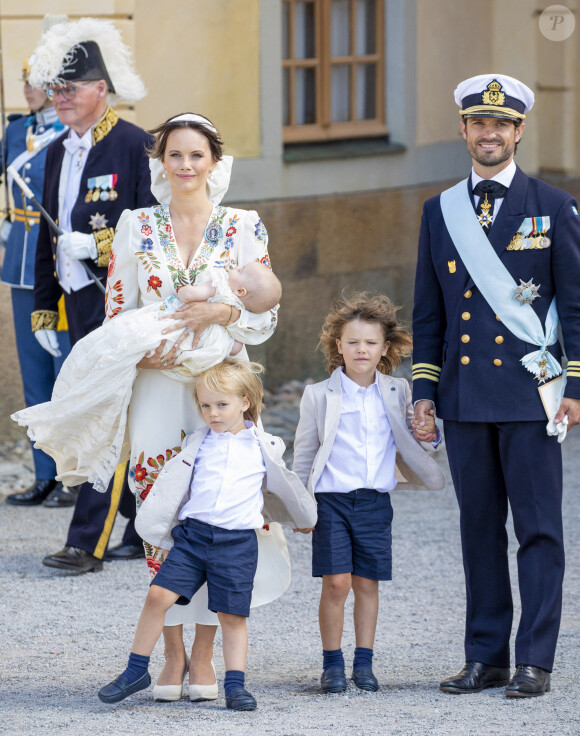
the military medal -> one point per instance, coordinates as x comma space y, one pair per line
104, 196
89, 196
113, 195
98, 221
544, 242
96, 195
542, 374
526, 292
485, 219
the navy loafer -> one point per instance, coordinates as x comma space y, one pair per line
364, 679
121, 688
333, 680
241, 699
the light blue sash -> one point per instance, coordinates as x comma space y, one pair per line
496, 283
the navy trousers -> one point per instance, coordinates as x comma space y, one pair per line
94, 513
493, 465
38, 368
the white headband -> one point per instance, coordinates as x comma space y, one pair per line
217, 182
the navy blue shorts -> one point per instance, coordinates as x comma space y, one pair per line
224, 558
353, 534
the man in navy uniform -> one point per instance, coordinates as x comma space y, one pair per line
93, 173
27, 140
494, 252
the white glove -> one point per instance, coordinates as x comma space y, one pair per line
78, 245
49, 341
5, 231
558, 430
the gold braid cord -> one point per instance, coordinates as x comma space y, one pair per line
44, 319
105, 125
104, 240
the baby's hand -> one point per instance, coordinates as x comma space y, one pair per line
304, 531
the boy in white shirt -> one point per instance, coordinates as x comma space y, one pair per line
214, 487
354, 432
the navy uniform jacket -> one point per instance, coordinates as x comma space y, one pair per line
118, 149
464, 359
18, 266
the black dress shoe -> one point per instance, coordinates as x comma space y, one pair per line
241, 699
528, 682
34, 495
124, 552
364, 679
73, 559
475, 677
61, 497
333, 680
121, 688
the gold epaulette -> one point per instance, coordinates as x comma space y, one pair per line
105, 125
104, 240
426, 370
573, 369
44, 319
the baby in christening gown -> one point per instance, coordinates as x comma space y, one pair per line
83, 426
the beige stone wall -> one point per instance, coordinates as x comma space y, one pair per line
202, 56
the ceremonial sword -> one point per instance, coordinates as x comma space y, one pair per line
27, 191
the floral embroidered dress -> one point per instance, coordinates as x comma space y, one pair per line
146, 268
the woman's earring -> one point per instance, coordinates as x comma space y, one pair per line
164, 175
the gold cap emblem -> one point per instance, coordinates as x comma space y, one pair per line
493, 94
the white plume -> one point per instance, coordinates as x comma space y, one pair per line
55, 44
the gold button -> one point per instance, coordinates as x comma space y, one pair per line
465, 360
54, 239
497, 362
467, 294
498, 319
466, 316
465, 338
499, 339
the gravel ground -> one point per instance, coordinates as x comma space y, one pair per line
64, 637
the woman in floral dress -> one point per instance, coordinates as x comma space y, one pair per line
155, 251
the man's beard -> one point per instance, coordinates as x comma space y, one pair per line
495, 158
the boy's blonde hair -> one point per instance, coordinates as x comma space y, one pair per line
235, 376
366, 307
264, 288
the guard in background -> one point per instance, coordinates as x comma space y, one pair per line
93, 173
494, 253
27, 140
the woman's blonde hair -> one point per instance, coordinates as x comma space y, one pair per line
235, 376
366, 307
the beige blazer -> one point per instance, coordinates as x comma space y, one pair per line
286, 500
319, 419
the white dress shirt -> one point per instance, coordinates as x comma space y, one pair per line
363, 454
504, 177
71, 274
226, 487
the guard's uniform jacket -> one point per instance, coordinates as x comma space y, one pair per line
464, 359
116, 165
18, 265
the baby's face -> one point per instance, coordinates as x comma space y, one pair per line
236, 278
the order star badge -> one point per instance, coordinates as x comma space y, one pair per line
98, 221
526, 292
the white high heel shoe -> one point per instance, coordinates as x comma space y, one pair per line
169, 693
197, 693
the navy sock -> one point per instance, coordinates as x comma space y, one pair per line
362, 658
234, 679
332, 658
136, 667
